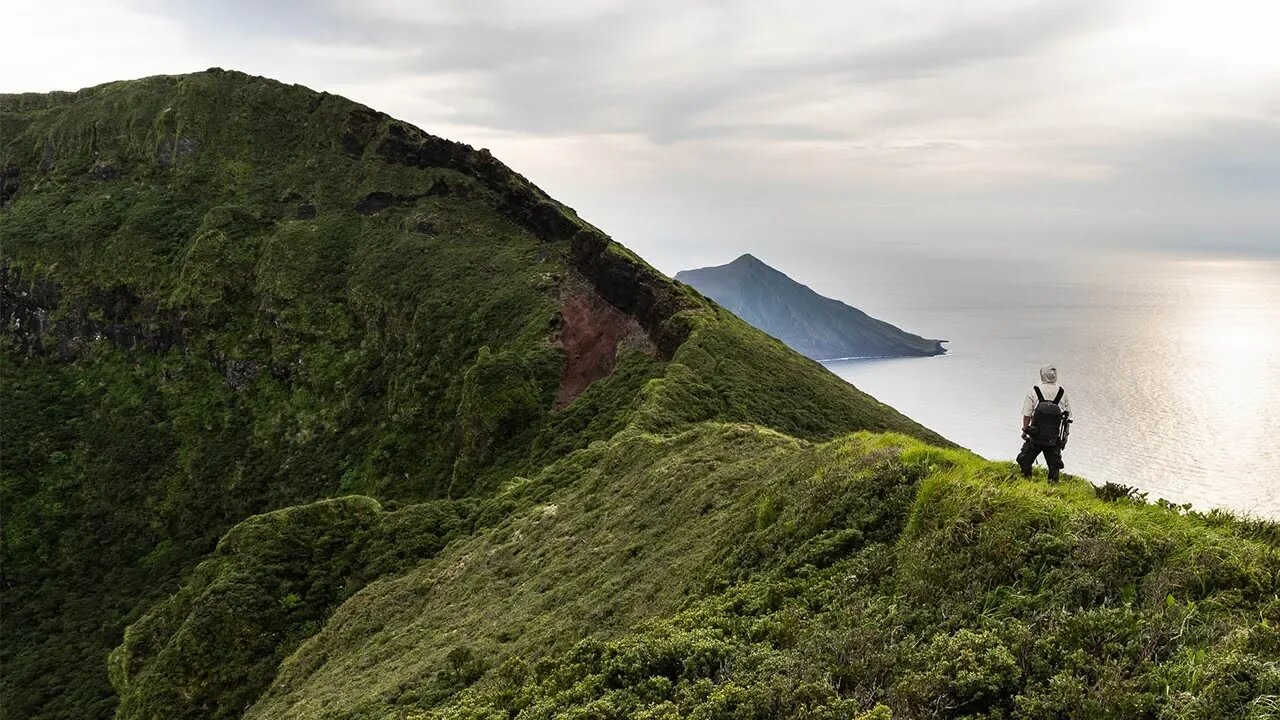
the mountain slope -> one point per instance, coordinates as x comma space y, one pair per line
813, 325
223, 296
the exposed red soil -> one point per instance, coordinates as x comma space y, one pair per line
591, 331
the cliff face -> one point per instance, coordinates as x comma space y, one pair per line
816, 326
224, 296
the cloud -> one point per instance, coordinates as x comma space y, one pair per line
688, 129
666, 70
76, 43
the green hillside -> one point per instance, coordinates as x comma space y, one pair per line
224, 295
309, 414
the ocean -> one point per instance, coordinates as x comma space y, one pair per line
1172, 364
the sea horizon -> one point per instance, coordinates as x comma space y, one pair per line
1167, 370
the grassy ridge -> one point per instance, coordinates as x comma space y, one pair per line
729, 571
882, 573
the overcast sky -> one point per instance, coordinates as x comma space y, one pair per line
817, 133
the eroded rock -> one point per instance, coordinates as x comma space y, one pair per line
48, 158
377, 201
634, 288
10, 182
172, 149
33, 318
591, 333
359, 130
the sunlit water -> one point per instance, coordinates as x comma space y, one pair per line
1173, 368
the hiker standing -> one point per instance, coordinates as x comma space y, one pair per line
1046, 417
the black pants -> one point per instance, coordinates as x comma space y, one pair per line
1052, 458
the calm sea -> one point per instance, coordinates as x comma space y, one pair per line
1173, 366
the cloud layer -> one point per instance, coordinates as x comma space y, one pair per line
693, 131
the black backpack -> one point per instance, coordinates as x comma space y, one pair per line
1046, 428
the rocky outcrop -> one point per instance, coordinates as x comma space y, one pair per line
10, 181
172, 149
517, 198
623, 281
376, 202
34, 319
359, 130
592, 332
634, 288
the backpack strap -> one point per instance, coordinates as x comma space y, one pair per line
1058, 398
1039, 395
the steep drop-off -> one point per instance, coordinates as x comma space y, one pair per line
812, 325
223, 296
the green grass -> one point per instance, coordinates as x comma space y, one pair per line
729, 371
933, 584
211, 648
729, 571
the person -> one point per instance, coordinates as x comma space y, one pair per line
1048, 435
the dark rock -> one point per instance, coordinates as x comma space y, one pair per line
375, 202
48, 158
240, 373
10, 181
379, 200
519, 201
171, 149
358, 131
306, 211
629, 285
634, 288
116, 315
105, 171
404, 145
426, 228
